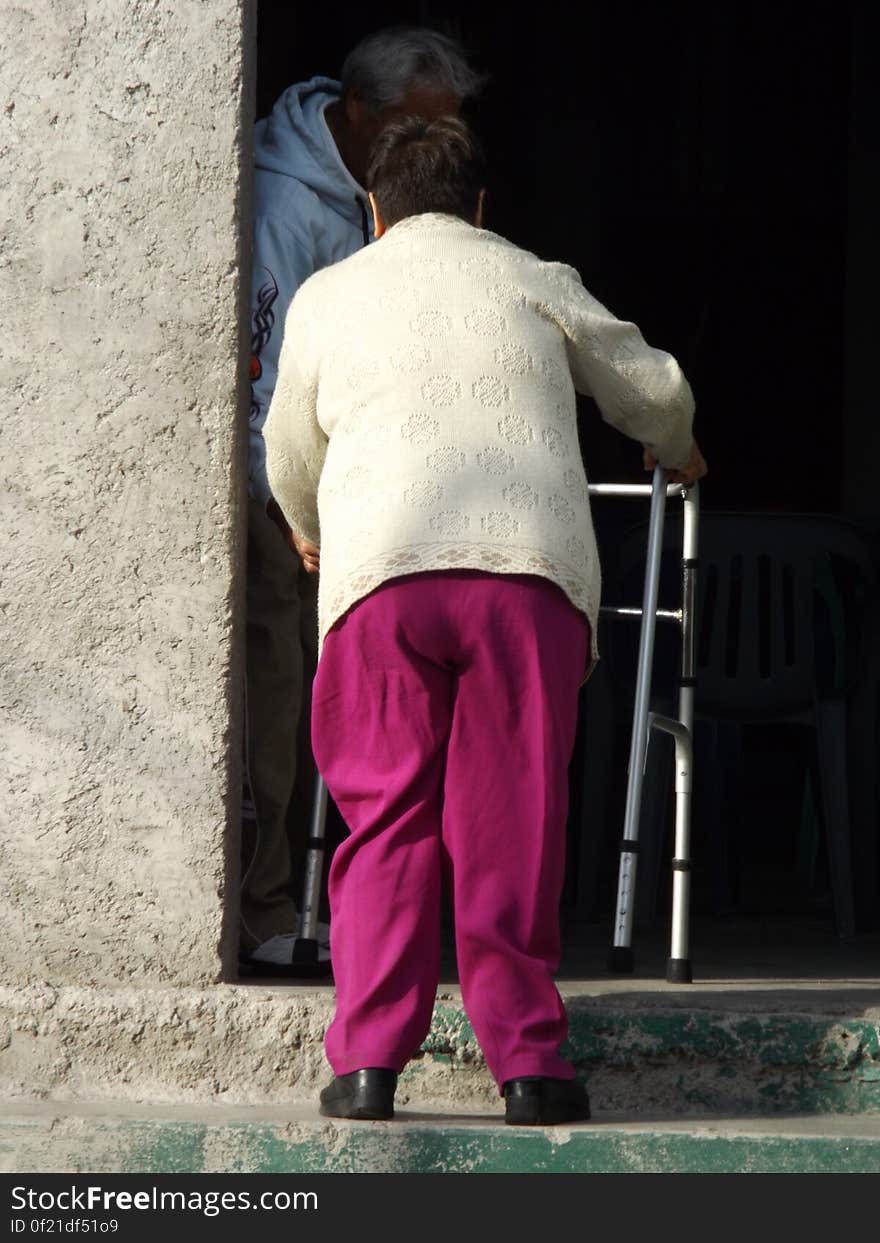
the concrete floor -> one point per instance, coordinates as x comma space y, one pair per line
743, 963
793, 949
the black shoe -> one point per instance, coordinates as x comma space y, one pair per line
538, 1101
367, 1094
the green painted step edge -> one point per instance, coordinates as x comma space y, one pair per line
192, 1147
796, 1062
773, 1039
628, 1038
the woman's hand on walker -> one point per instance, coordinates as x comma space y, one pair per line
694, 468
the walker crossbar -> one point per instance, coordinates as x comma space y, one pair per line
635, 490
645, 722
610, 610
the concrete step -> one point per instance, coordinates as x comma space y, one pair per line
646, 1051
650, 1054
53, 1137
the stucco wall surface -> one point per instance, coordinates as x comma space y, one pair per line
121, 132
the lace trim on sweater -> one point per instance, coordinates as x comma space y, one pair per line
461, 555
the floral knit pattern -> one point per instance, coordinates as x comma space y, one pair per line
491, 557
424, 416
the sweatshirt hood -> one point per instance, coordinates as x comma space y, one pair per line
295, 141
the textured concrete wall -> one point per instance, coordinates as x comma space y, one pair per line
124, 130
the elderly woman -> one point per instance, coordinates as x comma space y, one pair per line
423, 436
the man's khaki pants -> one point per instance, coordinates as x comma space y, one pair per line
282, 633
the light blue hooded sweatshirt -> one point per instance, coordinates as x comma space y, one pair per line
309, 212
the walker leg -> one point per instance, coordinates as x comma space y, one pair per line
678, 966
620, 956
305, 950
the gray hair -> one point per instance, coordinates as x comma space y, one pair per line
387, 64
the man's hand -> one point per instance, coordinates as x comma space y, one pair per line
307, 552
310, 554
694, 468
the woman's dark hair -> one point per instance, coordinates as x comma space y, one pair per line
419, 166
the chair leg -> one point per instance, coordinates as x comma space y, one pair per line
862, 743
831, 742
808, 839
718, 763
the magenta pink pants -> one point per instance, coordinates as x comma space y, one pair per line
443, 722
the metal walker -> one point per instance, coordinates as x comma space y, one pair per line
620, 956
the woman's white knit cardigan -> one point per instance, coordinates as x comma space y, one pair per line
424, 414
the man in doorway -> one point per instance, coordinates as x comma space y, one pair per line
310, 211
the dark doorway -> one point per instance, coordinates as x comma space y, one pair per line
709, 171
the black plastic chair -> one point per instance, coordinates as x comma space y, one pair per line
786, 618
